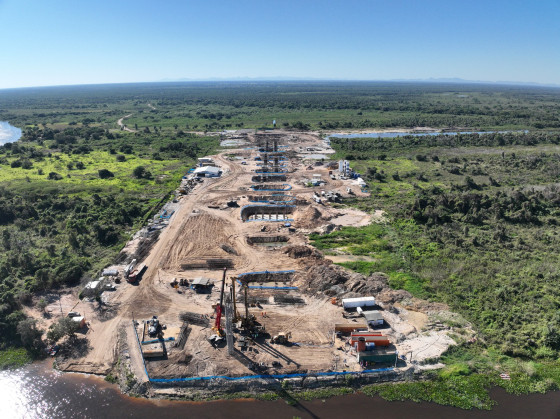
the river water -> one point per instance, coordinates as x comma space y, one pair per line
8, 133
38, 391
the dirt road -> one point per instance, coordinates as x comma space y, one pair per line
121, 124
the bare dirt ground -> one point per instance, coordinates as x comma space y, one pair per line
205, 227
121, 124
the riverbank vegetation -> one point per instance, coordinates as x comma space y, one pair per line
472, 221
69, 201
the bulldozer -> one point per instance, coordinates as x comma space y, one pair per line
282, 338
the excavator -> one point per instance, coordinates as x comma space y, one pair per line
249, 322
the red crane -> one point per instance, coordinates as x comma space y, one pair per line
220, 308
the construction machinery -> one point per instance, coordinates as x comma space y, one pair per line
236, 316
220, 309
249, 322
153, 327
128, 269
136, 274
282, 338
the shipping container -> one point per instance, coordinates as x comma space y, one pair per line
349, 327
358, 302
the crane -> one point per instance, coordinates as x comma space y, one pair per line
220, 308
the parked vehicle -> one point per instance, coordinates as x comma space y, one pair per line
137, 273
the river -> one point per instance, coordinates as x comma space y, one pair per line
37, 391
8, 133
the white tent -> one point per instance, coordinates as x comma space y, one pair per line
207, 171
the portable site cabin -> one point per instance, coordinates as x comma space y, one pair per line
374, 318
373, 339
358, 302
92, 289
80, 321
381, 355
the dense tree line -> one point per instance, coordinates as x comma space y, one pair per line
377, 145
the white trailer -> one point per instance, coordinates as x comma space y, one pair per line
358, 302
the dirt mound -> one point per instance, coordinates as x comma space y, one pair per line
333, 280
327, 229
311, 217
297, 252
336, 281
392, 296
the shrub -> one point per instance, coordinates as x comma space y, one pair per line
105, 174
140, 172
54, 176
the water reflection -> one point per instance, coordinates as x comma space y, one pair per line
38, 391
8, 133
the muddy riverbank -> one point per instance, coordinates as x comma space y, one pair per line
38, 391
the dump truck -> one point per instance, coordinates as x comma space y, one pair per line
137, 273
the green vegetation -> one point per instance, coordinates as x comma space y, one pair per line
471, 221
300, 105
379, 242
11, 357
469, 375
67, 206
472, 226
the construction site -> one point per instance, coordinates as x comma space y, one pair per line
223, 282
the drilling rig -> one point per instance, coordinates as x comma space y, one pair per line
219, 310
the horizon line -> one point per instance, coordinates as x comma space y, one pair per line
442, 80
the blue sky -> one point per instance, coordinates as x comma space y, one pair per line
61, 42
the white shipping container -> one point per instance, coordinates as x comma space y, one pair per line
358, 302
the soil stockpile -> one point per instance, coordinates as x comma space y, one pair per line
298, 252
336, 281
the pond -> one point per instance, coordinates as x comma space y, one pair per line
8, 133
